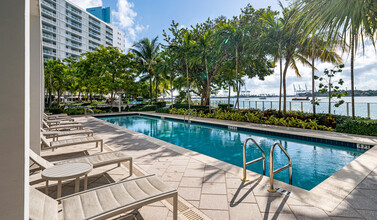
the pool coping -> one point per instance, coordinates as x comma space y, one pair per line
326, 195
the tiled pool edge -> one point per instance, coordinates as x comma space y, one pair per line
327, 195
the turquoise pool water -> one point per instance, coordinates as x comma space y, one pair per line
312, 162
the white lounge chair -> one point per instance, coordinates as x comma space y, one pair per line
97, 160
103, 202
63, 117
56, 134
69, 142
61, 127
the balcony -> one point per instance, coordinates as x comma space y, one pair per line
48, 20
93, 27
48, 36
71, 37
72, 44
50, 45
49, 52
73, 9
109, 35
91, 19
48, 28
94, 33
47, 12
48, 4
73, 17
73, 23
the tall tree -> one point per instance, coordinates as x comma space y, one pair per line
349, 20
147, 54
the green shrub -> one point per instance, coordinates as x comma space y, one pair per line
160, 104
225, 106
149, 108
54, 110
363, 127
162, 110
204, 108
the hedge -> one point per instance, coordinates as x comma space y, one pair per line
363, 127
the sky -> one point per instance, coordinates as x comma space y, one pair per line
148, 18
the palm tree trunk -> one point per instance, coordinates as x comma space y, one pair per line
352, 77
50, 92
150, 87
238, 92
188, 85
313, 86
284, 85
229, 96
171, 89
330, 95
281, 79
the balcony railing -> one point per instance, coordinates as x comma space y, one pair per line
109, 35
95, 28
45, 44
73, 9
94, 21
49, 52
45, 3
73, 17
73, 37
94, 33
73, 23
73, 44
44, 11
48, 36
45, 27
48, 20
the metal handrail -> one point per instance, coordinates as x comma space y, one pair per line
184, 115
245, 164
272, 171
189, 114
88, 110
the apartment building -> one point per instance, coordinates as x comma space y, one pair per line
68, 30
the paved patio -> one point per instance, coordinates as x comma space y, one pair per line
211, 187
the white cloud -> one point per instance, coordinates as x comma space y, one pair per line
87, 3
125, 18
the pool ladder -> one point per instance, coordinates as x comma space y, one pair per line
263, 158
188, 113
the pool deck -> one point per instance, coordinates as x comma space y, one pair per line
207, 185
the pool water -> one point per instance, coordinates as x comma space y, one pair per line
312, 162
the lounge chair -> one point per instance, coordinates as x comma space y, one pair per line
97, 160
59, 122
62, 117
56, 134
69, 142
103, 202
61, 127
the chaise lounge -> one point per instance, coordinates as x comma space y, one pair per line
69, 142
105, 201
97, 160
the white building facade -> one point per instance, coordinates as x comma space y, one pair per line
68, 31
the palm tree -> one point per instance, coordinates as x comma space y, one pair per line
147, 53
275, 34
348, 21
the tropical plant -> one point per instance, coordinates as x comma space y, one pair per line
147, 55
349, 21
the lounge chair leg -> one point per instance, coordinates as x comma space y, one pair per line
175, 206
101, 146
118, 164
46, 190
130, 169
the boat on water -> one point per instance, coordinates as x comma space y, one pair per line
263, 97
301, 99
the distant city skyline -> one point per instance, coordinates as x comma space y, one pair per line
142, 18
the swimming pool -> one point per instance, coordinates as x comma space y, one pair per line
312, 162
